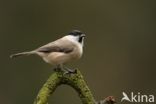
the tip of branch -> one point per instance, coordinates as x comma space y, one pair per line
110, 100
107, 100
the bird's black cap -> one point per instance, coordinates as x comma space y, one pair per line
75, 33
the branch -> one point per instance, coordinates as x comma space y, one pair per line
108, 100
75, 80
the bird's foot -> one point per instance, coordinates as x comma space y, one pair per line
69, 71
65, 70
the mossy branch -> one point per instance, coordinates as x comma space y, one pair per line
74, 80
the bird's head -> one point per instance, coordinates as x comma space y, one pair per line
78, 35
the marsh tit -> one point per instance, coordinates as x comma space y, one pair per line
61, 51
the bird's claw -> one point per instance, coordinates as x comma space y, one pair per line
69, 71
65, 70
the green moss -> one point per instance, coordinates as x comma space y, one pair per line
75, 80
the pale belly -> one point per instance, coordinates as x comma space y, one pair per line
56, 58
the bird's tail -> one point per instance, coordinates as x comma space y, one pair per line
22, 54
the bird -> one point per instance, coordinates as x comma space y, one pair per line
61, 51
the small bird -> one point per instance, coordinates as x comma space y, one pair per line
61, 51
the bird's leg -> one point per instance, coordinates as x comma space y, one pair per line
64, 69
58, 68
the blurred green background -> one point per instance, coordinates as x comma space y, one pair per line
119, 53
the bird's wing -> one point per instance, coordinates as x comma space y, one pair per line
60, 45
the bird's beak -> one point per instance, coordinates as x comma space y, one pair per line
83, 35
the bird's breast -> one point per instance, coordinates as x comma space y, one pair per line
77, 53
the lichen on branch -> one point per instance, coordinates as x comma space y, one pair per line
74, 80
